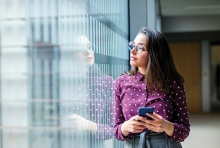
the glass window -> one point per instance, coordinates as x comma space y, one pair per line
58, 62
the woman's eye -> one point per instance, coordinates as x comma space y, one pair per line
139, 47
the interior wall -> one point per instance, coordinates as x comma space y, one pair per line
187, 59
211, 36
215, 78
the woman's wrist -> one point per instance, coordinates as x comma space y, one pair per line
123, 129
169, 129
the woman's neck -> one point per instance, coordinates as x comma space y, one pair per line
142, 70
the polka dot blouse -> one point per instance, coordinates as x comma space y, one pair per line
131, 93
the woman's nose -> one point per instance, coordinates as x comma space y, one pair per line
86, 51
133, 50
89, 51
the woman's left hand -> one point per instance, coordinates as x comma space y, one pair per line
159, 124
79, 123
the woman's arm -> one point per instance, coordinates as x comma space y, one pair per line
118, 122
104, 128
180, 115
118, 114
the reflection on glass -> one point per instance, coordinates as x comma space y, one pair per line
58, 63
86, 108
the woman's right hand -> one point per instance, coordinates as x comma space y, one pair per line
133, 125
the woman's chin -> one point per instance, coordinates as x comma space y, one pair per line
90, 63
133, 63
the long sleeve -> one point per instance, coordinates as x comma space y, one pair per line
118, 114
127, 101
105, 127
180, 115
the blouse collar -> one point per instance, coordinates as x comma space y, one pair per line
140, 76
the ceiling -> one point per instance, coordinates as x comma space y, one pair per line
170, 8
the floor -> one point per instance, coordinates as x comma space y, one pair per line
205, 131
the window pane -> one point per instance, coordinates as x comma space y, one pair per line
59, 60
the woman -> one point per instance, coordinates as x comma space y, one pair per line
153, 81
86, 102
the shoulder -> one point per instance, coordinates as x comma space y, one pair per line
177, 83
123, 78
104, 80
123, 81
176, 86
120, 82
108, 78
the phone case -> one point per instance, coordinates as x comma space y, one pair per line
143, 110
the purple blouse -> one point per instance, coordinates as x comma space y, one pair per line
131, 94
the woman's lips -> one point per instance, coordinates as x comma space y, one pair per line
89, 58
133, 59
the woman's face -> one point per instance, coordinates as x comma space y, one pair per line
86, 56
136, 59
90, 57
85, 53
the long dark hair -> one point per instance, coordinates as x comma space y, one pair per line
160, 69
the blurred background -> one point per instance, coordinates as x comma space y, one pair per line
59, 58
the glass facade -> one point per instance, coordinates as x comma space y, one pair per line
58, 62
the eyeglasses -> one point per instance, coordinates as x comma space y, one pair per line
89, 47
139, 48
84, 48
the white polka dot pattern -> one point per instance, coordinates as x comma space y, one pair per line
131, 94
93, 100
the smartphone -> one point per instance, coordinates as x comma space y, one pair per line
143, 110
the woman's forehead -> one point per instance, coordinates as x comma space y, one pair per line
140, 38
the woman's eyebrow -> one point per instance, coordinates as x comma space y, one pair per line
141, 44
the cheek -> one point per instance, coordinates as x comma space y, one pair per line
144, 60
93, 57
80, 58
92, 54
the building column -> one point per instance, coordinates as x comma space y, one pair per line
141, 16
206, 77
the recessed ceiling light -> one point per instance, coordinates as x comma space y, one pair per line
203, 7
